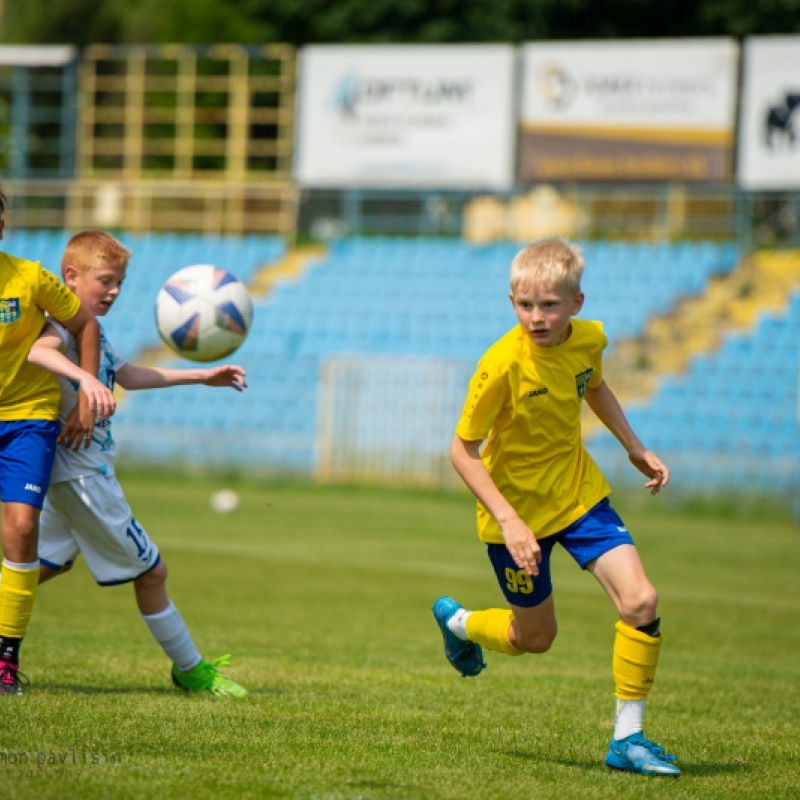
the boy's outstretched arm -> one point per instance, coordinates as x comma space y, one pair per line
608, 410
519, 538
99, 399
137, 376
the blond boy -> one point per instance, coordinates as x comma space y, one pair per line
85, 510
536, 486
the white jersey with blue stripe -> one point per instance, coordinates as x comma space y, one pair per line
98, 458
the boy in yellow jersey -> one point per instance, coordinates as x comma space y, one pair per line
536, 486
86, 510
29, 430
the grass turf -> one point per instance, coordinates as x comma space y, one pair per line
323, 594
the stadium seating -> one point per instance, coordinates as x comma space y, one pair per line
437, 297
732, 420
400, 297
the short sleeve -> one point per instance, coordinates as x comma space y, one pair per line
116, 359
488, 393
54, 298
596, 377
66, 337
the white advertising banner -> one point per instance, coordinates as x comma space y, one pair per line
406, 116
39, 55
641, 110
769, 125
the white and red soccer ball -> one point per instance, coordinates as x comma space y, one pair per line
203, 312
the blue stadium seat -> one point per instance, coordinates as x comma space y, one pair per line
738, 406
449, 299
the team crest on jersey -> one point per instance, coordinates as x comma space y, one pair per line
582, 381
9, 310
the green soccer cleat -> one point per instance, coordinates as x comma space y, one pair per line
637, 754
206, 678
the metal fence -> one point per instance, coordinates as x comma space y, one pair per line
226, 206
153, 206
389, 419
185, 112
38, 113
651, 213
150, 137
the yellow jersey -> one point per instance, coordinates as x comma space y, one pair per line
527, 400
27, 290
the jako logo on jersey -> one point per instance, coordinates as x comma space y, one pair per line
582, 381
32, 487
9, 310
537, 392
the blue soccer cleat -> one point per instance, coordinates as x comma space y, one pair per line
465, 656
634, 753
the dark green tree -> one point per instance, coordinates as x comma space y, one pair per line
300, 22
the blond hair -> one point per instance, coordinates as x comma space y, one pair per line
549, 262
91, 249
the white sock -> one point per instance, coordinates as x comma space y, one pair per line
630, 716
170, 631
458, 624
21, 567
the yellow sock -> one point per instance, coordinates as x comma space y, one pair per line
634, 662
490, 629
17, 592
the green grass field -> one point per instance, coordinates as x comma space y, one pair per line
322, 596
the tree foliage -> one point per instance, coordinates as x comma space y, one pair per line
300, 22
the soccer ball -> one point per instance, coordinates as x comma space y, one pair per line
225, 501
203, 312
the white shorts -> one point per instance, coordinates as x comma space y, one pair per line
91, 516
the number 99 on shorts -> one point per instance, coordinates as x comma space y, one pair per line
518, 581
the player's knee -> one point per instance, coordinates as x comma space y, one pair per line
155, 578
20, 528
639, 607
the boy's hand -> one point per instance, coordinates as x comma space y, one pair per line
522, 545
227, 375
649, 464
79, 426
99, 397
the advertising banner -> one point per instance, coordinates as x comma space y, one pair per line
406, 116
634, 110
39, 55
769, 125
